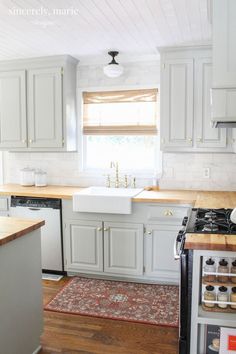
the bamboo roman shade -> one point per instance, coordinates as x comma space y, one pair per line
129, 112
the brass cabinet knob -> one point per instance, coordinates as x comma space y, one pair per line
23, 141
99, 229
199, 139
106, 229
168, 213
149, 232
30, 141
190, 140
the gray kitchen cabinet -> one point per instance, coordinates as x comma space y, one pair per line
224, 49
186, 102
84, 246
123, 248
45, 126
38, 99
177, 102
4, 205
234, 139
206, 135
13, 129
129, 249
160, 263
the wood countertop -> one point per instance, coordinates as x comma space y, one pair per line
12, 228
62, 192
210, 242
198, 199
167, 196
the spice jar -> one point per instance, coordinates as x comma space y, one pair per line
223, 268
209, 295
233, 271
210, 267
222, 296
233, 297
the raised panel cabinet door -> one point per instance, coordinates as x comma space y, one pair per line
45, 108
84, 246
207, 136
177, 103
224, 47
13, 129
160, 263
123, 248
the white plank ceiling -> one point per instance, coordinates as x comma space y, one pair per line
134, 27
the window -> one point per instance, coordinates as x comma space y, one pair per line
120, 126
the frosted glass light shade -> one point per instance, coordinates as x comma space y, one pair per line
113, 70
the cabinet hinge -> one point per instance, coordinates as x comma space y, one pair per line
144, 269
62, 71
63, 142
144, 230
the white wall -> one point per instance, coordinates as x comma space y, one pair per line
180, 170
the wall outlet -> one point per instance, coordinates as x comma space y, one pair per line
206, 172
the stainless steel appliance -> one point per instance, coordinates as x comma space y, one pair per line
51, 237
200, 221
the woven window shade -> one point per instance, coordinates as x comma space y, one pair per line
132, 112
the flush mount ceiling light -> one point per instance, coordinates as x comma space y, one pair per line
113, 69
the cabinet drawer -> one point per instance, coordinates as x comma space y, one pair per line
167, 214
3, 203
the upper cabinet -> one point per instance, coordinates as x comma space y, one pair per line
13, 127
38, 99
186, 80
177, 102
224, 44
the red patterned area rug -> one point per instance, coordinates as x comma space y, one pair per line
135, 302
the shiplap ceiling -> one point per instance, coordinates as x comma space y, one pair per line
92, 27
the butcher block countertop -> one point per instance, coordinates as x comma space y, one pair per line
12, 228
62, 192
210, 242
198, 199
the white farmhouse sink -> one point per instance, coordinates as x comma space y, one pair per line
105, 200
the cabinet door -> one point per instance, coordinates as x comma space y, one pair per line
45, 111
234, 139
84, 246
160, 263
207, 136
123, 248
177, 103
13, 109
224, 39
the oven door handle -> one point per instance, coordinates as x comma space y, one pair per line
178, 240
176, 251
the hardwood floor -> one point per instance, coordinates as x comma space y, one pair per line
69, 334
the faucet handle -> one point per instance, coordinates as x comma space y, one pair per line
108, 181
133, 182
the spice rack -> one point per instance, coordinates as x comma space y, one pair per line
207, 281
201, 315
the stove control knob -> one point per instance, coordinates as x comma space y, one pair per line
185, 220
180, 235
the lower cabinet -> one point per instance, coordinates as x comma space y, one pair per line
160, 263
84, 246
93, 246
123, 248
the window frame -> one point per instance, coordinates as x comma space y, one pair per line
88, 172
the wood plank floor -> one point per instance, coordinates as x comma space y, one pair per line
71, 334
